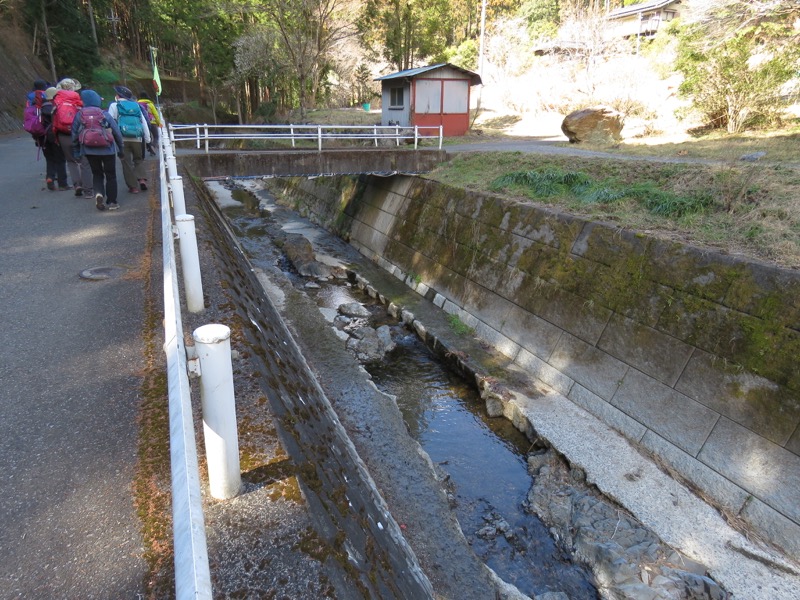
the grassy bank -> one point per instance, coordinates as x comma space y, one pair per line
741, 207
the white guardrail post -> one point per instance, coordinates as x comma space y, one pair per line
178, 199
213, 343
190, 262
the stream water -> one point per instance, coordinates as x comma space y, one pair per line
484, 460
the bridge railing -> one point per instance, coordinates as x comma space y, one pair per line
204, 135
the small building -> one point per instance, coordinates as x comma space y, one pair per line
428, 96
642, 20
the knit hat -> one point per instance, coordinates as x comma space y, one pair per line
40, 84
50, 93
123, 92
90, 98
69, 84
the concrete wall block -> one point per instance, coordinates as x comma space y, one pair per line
503, 344
394, 203
729, 495
553, 229
537, 225
381, 220
754, 402
439, 300
609, 245
767, 292
681, 420
764, 469
606, 412
572, 313
627, 293
793, 445
369, 237
692, 270
517, 248
774, 526
385, 264
759, 346
654, 353
544, 372
451, 308
595, 370
510, 282
483, 303
401, 255
536, 335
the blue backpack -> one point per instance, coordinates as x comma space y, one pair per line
129, 118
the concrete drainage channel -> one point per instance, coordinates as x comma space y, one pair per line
625, 559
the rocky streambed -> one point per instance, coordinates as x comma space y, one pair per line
296, 262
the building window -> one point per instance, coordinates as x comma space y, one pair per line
396, 97
669, 15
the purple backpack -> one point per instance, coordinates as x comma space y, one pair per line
32, 118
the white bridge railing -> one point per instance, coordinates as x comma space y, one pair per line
202, 135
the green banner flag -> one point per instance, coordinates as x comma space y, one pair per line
156, 78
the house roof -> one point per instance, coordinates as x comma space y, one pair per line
644, 7
475, 79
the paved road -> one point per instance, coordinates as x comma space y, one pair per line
71, 354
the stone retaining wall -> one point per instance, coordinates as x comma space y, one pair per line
690, 353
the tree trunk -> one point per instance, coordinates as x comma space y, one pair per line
49, 45
198, 67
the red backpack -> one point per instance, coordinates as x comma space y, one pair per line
66, 105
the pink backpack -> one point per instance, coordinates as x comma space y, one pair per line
94, 131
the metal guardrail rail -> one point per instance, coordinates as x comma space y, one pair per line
192, 576
204, 134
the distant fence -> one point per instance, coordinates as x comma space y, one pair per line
204, 135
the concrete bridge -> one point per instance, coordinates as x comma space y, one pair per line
311, 163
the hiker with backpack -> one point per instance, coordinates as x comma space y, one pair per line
96, 137
66, 104
39, 86
136, 135
153, 120
55, 161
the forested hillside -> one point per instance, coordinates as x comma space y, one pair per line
732, 61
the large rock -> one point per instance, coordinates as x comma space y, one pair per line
301, 254
597, 125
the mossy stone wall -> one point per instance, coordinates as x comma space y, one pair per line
691, 353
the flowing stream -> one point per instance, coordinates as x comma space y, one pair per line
482, 460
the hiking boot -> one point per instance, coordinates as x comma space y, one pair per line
100, 202
78, 191
133, 190
51, 185
143, 185
112, 206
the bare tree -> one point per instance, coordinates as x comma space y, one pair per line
309, 31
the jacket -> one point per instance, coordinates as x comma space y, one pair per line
92, 98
